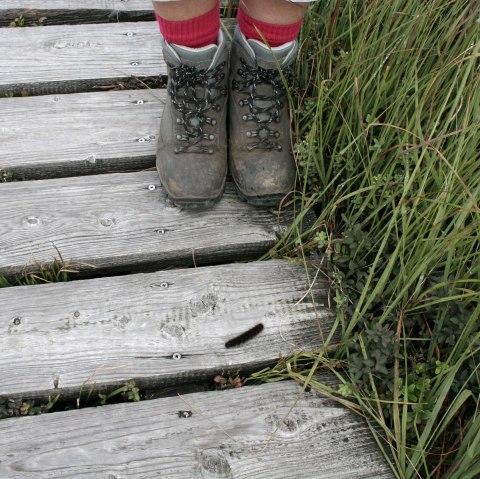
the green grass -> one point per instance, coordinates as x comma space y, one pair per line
387, 112
57, 271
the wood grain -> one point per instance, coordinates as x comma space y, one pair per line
123, 221
110, 330
84, 133
235, 434
75, 58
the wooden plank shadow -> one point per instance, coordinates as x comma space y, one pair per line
157, 328
231, 434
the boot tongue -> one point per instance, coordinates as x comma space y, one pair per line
268, 57
198, 57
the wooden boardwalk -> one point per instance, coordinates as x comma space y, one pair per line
159, 290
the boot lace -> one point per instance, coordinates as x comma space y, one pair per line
194, 93
264, 116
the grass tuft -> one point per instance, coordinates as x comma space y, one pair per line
387, 116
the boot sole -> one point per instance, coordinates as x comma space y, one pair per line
194, 203
260, 201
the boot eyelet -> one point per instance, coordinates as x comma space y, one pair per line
211, 137
210, 151
214, 122
179, 137
244, 117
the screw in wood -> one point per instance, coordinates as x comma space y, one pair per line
185, 414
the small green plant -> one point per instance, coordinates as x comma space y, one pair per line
57, 271
5, 176
17, 22
19, 407
228, 381
21, 22
11, 94
128, 392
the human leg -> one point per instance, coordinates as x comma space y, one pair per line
180, 10
191, 23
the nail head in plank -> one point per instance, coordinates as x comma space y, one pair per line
157, 328
230, 434
84, 133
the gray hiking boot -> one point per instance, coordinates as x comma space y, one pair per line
260, 157
192, 147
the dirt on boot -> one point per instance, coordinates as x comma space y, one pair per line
192, 147
260, 158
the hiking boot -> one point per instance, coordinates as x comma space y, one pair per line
260, 158
192, 147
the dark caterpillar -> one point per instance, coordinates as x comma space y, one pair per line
244, 336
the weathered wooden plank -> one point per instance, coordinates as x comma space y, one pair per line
122, 221
110, 330
230, 435
73, 11
76, 58
84, 133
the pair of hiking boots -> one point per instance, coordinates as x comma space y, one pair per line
247, 82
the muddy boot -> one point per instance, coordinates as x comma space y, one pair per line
260, 157
192, 147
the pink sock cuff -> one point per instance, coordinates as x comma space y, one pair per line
275, 35
195, 32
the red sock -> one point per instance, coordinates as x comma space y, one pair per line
275, 35
195, 32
